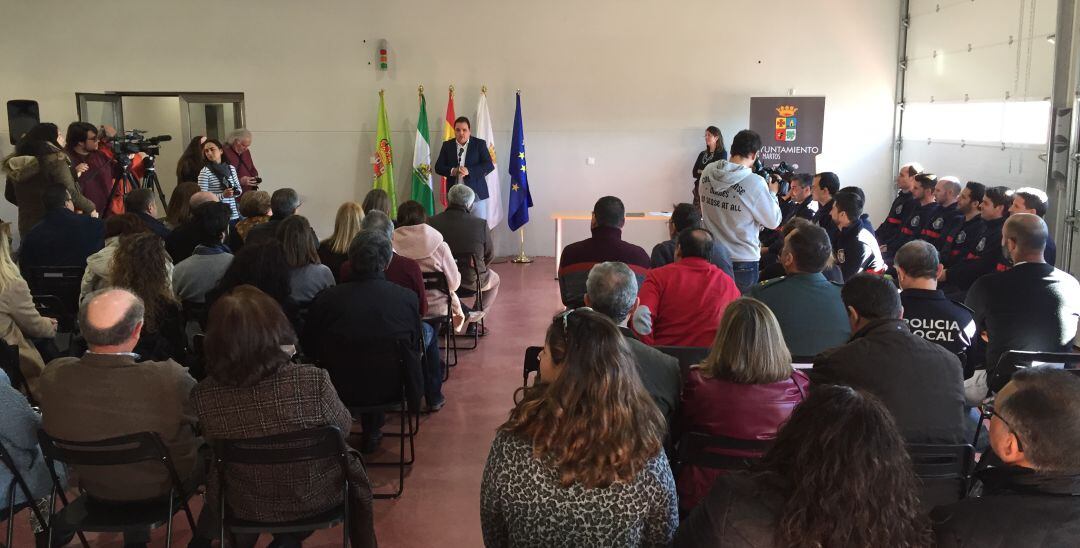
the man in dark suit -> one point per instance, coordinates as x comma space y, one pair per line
466, 160
63, 237
611, 290
1031, 306
919, 382
468, 235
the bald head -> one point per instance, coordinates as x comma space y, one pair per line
112, 319
1024, 236
203, 197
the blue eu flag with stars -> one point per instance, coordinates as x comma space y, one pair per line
520, 199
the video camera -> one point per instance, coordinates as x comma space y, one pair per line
135, 141
781, 172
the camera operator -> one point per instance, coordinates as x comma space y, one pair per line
237, 153
736, 203
93, 169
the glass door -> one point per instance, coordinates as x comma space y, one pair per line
101, 109
211, 114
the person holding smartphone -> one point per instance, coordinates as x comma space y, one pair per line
219, 177
237, 153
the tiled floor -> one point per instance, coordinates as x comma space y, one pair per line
441, 502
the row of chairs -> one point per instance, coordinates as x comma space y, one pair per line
444, 325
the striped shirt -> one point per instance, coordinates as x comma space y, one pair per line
209, 182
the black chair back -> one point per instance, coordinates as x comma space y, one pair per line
62, 282
9, 363
1013, 360
720, 452
366, 371
469, 267
532, 363
436, 281
17, 482
687, 356
943, 470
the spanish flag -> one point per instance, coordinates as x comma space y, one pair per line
448, 134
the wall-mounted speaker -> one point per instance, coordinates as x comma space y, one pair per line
22, 115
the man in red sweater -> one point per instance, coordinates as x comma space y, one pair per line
681, 303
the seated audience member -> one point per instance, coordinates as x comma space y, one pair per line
902, 204
963, 238
19, 318
927, 311
254, 207
1031, 306
806, 305
249, 345
263, 266
776, 269
1034, 201
799, 205
826, 185
99, 265
200, 273
19, 424
283, 204
62, 238
218, 177
140, 202
141, 265
334, 251
865, 217
420, 242
182, 240
684, 216
1032, 499
38, 163
681, 304
307, 276
606, 243
920, 382
552, 464
809, 493
191, 162
745, 389
948, 218
377, 200
369, 306
467, 234
105, 394
402, 270
986, 256
179, 209
612, 291
912, 226
855, 248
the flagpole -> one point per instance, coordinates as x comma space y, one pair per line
522, 258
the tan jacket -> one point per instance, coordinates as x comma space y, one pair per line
101, 396
29, 177
19, 320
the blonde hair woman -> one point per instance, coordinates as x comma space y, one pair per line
19, 319
745, 389
334, 251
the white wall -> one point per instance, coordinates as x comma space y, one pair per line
632, 84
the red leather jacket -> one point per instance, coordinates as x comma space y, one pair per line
724, 408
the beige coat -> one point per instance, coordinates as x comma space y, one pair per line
19, 321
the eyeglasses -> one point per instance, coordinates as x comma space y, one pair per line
565, 316
989, 412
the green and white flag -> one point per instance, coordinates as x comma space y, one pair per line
422, 191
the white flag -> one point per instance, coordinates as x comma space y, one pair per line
487, 133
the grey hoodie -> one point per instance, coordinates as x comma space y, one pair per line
735, 204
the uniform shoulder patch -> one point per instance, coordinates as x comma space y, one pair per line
772, 282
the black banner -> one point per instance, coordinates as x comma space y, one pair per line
790, 129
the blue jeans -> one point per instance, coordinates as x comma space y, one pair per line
432, 365
746, 274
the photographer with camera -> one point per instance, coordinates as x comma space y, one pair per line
219, 177
736, 203
237, 153
93, 169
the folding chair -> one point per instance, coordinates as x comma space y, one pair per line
572, 279
9, 363
719, 452
943, 470
369, 375
196, 312
532, 363
17, 481
1013, 360
436, 281
687, 356
87, 514
471, 264
305, 446
63, 283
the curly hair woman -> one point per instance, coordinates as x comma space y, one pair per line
141, 265
579, 462
838, 475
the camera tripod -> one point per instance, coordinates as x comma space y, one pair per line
149, 180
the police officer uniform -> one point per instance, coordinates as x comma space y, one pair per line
809, 309
823, 218
934, 317
771, 238
982, 260
942, 223
898, 211
856, 250
911, 229
962, 241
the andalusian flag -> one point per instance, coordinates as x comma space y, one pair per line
447, 134
487, 133
384, 158
421, 164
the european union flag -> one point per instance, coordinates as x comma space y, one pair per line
520, 199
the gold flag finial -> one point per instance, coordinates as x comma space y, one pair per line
381, 92
420, 89
483, 89
451, 89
